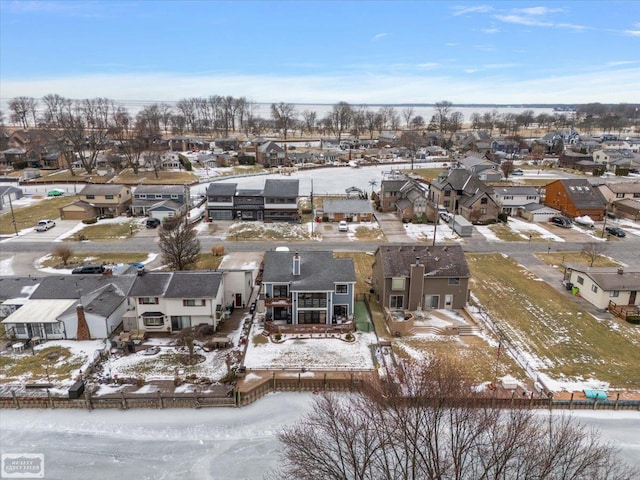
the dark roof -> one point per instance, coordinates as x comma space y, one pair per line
461, 180
177, 285
612, 278
318, 270
69, 287
281, 188
515, 190
101, 189
583, 195
17, 287
160, 189
439, 260
222, 188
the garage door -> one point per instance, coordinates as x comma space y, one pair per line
221, 214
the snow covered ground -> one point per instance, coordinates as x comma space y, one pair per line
218, 444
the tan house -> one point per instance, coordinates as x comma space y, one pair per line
349, 209
413, 277
602, 285
618, 190
98, 200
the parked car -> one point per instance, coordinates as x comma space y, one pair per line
561, 221
615, 231
89, 269
518, 171
56, 192
44, 225
343, 226
153, 222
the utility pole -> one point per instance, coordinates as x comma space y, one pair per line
313, 215
13, 217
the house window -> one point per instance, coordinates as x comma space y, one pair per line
51, 328
148, 301
342, 288
531, 197
580, 280
636, 195
312, 317
108, 197
174, 197
446, 204
312, 300
507, 197
178, 322
397, 283
431, 301
194, 302
484, 201
594, 288
142, 195
21, 329
483, 211
396, 301
153, 321
158, 196
619, 195
447, 193
615, 293
280, 291
90, 197
454, 281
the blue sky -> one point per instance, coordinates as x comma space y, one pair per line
323, 52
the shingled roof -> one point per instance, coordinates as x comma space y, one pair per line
318, 270
439, 260
177, 285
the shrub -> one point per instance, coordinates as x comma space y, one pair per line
503, 217
90, 221
217, 250
277, 337
348, 336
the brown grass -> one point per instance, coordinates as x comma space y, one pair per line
362, 263
58, 361
149, 178
107, 232
29, 215
541, 320
565, 258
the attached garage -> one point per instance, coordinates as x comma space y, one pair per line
221, 214
78, 210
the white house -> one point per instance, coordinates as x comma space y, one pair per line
600, 285
511, 199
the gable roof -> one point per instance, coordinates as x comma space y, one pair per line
281, 188
101, 189
583, 195
17, 287
76, 286
222, 188
349, 205
160, 189
192, 284
461, 180
439, 260
318, 270
612, 278
516, 190
40, 311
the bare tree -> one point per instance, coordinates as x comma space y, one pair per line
418, 122
455, 122
310, 117
407, 114
507, 168
23, 111
339, 119
593, 251
443, 110
426, 426
178, 243
64, 253
284, 114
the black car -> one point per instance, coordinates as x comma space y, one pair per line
89, 269
153, 222
615, 231
561, 222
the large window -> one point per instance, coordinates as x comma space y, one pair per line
454, 281
312, 317
108, 197
447, 193
484, 201
431, 301
153, 321
178, 322
194, 302
580, 280
614, 293
312, 300
148, 300
280, 291
397, 283
396, 301
342, 288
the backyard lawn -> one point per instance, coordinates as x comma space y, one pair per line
29, 215
560, 338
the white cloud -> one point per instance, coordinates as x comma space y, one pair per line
538, 10
520, 20
633, 33
490, 31
379, 36
427, 66
360, 87
621, 62
451, 44
477, 9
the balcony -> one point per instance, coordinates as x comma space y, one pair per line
277, 302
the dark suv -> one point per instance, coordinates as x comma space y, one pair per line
89, 269
153, 222
561, 222
615, 231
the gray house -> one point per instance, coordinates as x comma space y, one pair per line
412, 277
160, 201
8, 194
308, 288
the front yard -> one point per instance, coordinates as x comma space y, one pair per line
27, 216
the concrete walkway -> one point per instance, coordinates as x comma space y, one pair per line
393, 228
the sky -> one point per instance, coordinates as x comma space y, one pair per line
378, 52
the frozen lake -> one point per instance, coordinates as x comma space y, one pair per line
202, 444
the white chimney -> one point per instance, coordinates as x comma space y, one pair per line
296, 264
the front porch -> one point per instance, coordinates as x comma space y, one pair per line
630, 313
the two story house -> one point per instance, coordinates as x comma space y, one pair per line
513, 198
390, 191
97, 200
270, 154
411, 277
413, 200
575, 198
171, 301
160, 201
277, 201
308, 288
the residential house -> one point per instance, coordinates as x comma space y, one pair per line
73, 307
461, 192
485, 169
537, 212
575, 198
183, 144
14, 292
614, 159
613, 191
160, 201
8, 194
390, 191
281, 200
506, 146
270, 154
311, 287
601, 285
578, 161
240, 272
512, 198
227, 144
349, 209
96, 200
413, 277
220, 200
413, 201
249, 204
171, 301
626, 208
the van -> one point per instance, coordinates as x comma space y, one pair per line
89, 269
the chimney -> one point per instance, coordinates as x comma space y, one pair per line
417, 260
296, 264
620, 271
83, 328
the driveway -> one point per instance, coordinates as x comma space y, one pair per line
62, 227
393, 228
